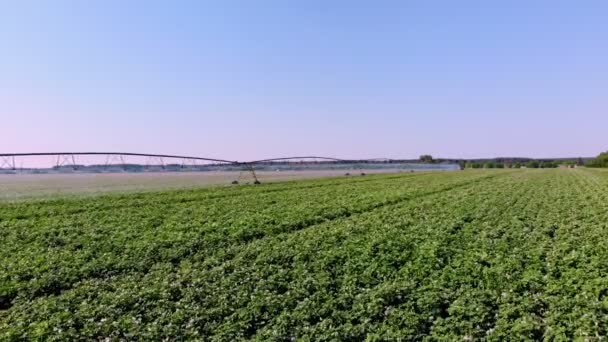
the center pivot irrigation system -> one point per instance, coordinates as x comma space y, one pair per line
127, 160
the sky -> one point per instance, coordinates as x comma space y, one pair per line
245, 80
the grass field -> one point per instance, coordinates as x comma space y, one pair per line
496, 255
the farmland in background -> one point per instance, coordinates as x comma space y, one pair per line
49, 185
494, 254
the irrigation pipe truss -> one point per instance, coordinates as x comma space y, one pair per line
8, 159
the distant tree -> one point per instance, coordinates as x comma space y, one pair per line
600, 161
500, 165
477, 165
517, 165
489, 165
426, 158
532, 164
580, 161
549, 165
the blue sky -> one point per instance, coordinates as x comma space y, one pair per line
255, 79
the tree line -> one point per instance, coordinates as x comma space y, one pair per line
532, 164
503, 163
600, 161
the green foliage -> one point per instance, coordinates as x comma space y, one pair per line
580, 161
426, 158
532, 164
509, 255
600, 161
548, 165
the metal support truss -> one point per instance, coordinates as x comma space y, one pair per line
8, 162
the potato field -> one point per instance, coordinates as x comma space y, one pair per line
465, 255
